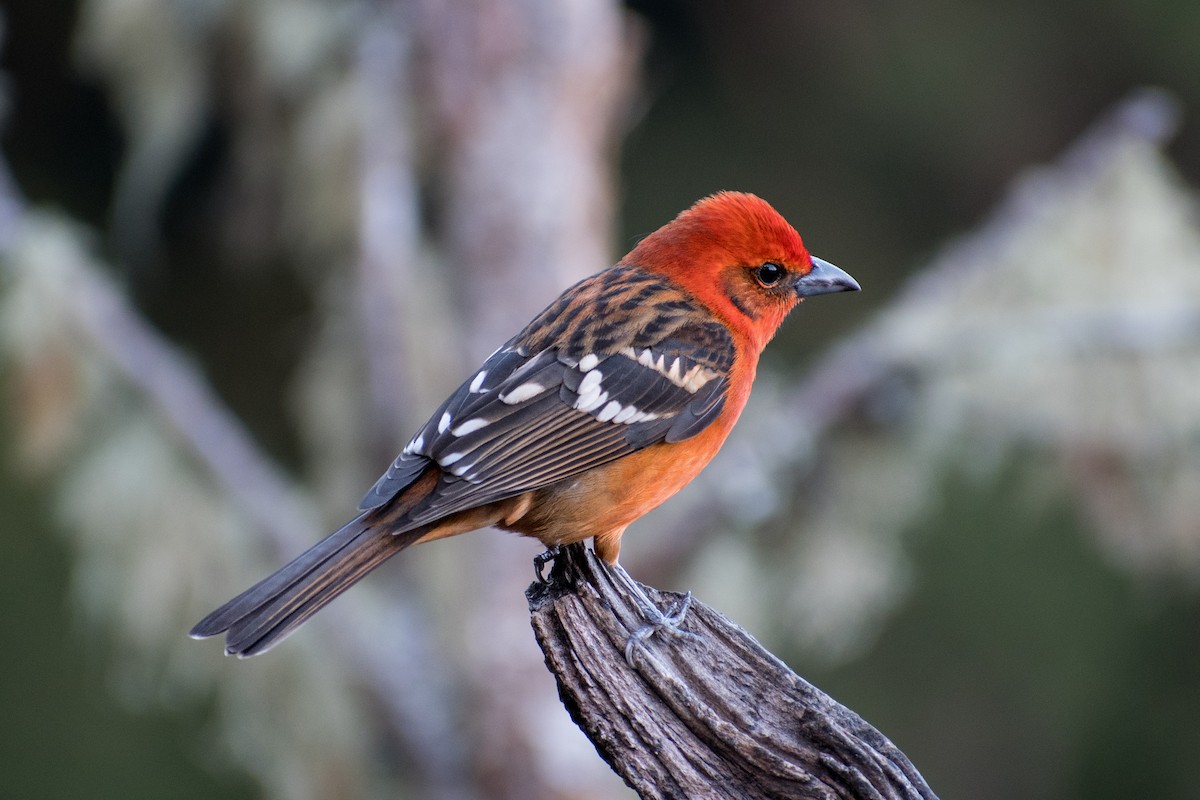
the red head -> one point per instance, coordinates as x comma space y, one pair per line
742, 260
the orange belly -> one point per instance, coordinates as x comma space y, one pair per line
602, 502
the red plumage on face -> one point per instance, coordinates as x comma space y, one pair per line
707, 248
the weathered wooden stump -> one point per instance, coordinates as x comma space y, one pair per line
709, 713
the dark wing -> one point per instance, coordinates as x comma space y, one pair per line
525, 421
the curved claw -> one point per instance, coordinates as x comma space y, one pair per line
542, 559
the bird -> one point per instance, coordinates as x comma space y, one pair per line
605, 405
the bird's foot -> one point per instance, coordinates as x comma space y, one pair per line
542, 559
657, 622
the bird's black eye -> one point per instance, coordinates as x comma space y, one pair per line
769, 273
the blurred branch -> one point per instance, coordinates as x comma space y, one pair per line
177, 390
401, 668
181, 395
837, 386
874, 375
709, 713
388, 224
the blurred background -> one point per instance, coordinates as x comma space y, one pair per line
245, 247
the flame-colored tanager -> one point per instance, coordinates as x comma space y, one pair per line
606, 404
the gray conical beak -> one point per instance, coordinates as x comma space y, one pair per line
825, 278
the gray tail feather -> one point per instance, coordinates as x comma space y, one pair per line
260, 617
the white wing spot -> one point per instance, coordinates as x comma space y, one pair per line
590, 382
692, 380
470, 426
415, 445
444, 422
590, 402
523, 392
478, 381
626, 414
588, 362
609, 411
449, 459
673, 373
461, 469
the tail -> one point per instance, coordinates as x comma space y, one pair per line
260, 617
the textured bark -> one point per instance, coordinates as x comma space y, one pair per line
707, 712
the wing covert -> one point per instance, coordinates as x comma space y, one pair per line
527, 419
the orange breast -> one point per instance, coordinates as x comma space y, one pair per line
603, 501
